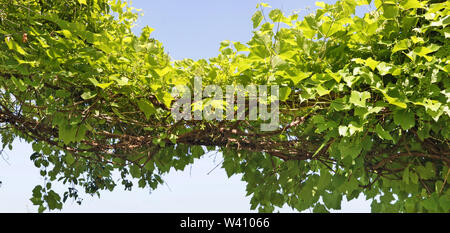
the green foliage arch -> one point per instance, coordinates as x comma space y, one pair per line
364, 106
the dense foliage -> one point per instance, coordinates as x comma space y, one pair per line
363, 103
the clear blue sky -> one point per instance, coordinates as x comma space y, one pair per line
187, 29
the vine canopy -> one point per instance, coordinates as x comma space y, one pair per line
363, 104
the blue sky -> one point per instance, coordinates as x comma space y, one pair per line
187, 29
